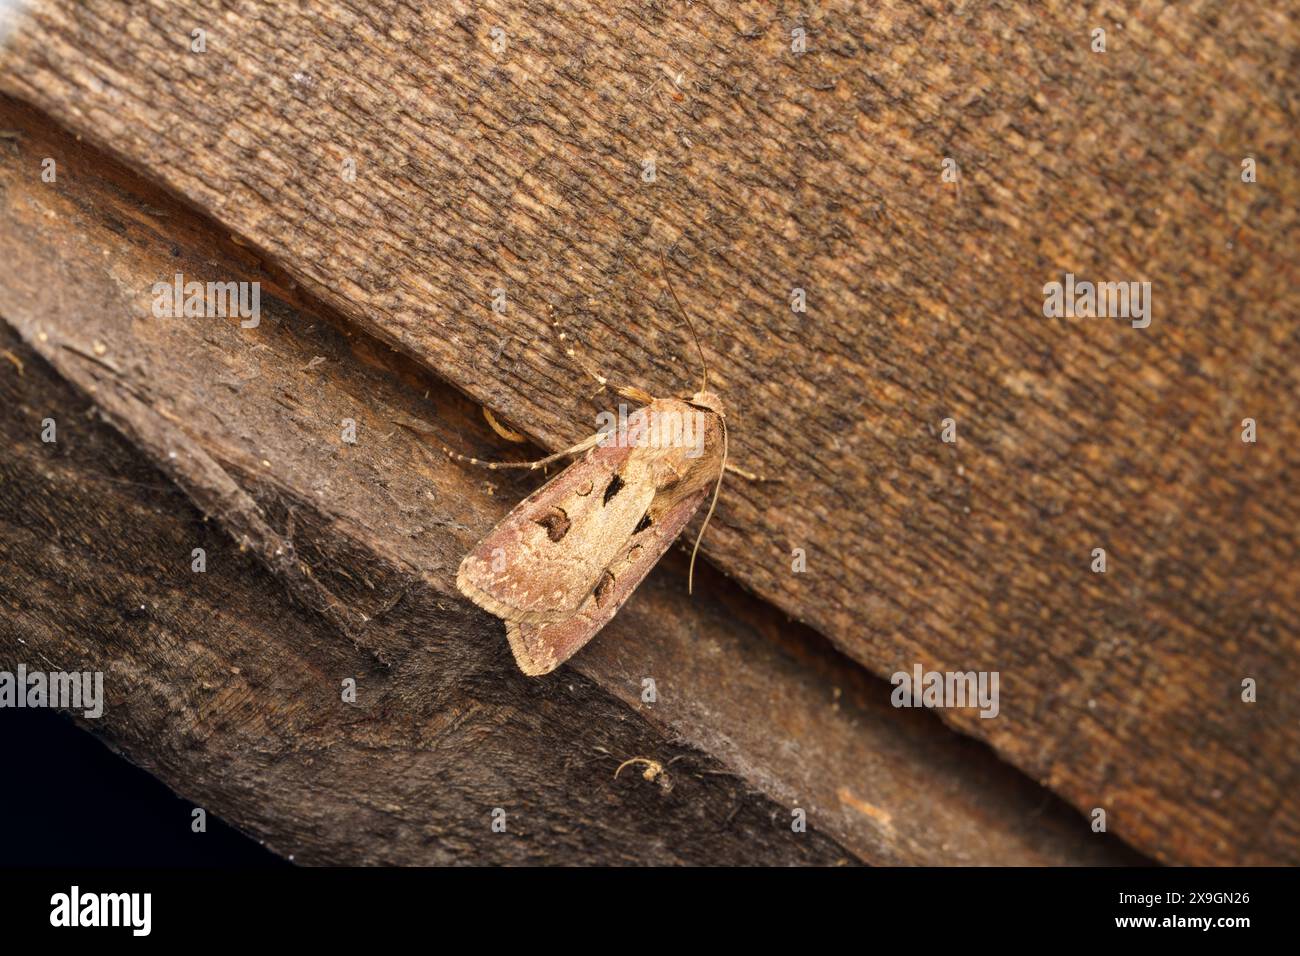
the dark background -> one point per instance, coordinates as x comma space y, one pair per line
67, 800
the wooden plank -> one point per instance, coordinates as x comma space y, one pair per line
523, 170
232, 697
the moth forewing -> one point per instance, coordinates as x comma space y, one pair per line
540, 648
547, 554
559, 566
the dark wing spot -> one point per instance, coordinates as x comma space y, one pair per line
644, 523
603, 589
614, 487
556, 523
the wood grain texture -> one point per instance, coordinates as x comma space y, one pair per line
218, 687
522, 170
328, 560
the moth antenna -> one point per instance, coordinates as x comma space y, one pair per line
626, 391
572, 353
587, 443
690, 575
704, 366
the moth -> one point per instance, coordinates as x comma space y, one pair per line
558, 567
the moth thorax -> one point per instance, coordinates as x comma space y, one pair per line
709, 401
673, 427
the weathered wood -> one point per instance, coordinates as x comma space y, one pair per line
522, 170
218, 687
232, 698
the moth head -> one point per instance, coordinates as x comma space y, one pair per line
708, 401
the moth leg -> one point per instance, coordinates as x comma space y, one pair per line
626, 391
749, 475
577, 449
635, 394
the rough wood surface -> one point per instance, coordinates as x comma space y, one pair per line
217, 686
522, 170
232, 697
